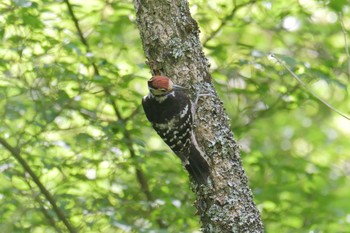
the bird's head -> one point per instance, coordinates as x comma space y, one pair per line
160, 85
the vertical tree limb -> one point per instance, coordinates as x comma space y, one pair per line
172, 47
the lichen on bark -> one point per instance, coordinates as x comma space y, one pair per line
171, 44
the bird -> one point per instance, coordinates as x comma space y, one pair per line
171, 113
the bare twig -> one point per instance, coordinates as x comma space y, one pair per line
307, 88
15, 152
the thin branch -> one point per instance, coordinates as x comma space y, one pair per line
15, 152
80, 32
141, 177
307, 88
88, 50
139, 173
225, 20
47, 215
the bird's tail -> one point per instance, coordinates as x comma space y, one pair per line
197, 166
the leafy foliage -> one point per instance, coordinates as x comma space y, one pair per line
72, 107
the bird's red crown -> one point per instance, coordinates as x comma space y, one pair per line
160, 82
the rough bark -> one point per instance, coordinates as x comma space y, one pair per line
170, 40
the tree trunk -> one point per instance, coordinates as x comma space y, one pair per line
172, 47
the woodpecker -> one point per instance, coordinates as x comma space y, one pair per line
170, 112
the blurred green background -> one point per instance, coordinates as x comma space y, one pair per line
73, 108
